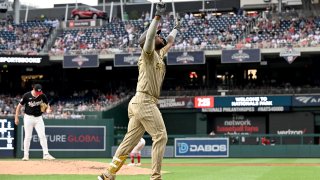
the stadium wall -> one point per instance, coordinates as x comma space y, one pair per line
71, 138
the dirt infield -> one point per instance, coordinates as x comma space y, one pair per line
38, 167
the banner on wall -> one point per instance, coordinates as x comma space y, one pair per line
185, 58
204, 102
290, 54
176, 103
306, 100
252, 101
7, 134
80, 61
238, 124
241, 56
126, 59
201, 147
70, 138
24, 60
247, 109
291, 126
81, 23
250, 104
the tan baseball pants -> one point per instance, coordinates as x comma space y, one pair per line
144, 116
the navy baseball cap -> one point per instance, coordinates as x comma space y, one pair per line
38, 89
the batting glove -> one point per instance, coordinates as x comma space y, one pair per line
177, 25
160, 9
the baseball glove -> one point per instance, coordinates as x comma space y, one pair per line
43, 107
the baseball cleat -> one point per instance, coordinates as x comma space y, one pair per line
138, 164
131, 164
104, 176
25, 158
48, 157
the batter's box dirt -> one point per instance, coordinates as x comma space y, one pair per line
63, 167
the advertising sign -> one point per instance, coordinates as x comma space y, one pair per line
176, 103
203, 102
81, 23
71, 138
6, 137
247, 109
291, 126
241, 56
252, 101
201, 147
128, 59
24, 60
80, 61
306, 100
239, 124
186, 58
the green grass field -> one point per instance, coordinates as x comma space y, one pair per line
213, 169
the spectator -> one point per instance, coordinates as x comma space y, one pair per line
265, 141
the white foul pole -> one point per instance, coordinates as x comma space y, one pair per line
27, 13
121, 4
66, 14
111, 12
173, 10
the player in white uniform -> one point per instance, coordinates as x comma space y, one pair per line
136, 152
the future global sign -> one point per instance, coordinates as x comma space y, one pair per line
72, 138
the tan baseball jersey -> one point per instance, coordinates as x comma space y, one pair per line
152, 70
144, 114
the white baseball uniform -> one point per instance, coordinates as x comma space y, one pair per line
139, 146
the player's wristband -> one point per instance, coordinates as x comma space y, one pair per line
173, 33
157, 17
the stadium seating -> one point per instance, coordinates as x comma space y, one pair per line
24, 38
125, 34
205, 33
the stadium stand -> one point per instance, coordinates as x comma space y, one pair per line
26, 38
70, 106
205, 33
208, 33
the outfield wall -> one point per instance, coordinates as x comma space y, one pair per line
71, 138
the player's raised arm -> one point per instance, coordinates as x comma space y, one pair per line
172, 35
149, 44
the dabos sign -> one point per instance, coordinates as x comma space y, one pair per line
201, 147
204, 102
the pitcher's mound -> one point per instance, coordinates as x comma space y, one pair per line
37, 167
